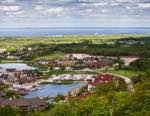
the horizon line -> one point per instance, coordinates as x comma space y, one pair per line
68, 27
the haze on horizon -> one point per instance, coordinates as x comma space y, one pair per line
74, 13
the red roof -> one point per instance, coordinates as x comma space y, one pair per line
84, 95
101, 79
100, 63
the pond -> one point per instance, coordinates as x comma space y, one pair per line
53, 90
17, 66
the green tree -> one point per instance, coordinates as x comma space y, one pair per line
59, 97
7, 111
104, 89
11, 94
94, 106
36, 113
120, 62
121, 104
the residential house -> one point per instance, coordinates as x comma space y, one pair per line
100, 63
128, 59
2, 51
85, 95
99, 79
2, 71
25, 104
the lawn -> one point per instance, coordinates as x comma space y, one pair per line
127, 73
51, 56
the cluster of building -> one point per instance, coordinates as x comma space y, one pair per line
128, 59
91, 83
16, 54
24, 104
12, 80
99, 79
73, 77
23, 80
77, 62
131, 41
16, 78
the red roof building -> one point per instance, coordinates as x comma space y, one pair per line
100, 79
100, 63
84, 95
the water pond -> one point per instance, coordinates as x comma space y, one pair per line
53, 90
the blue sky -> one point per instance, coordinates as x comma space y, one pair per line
74, 13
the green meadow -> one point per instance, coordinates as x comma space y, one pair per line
11, 43
51, 56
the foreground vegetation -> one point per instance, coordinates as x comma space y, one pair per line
106, 101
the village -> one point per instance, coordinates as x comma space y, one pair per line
21, 81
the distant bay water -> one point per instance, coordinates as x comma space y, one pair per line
9, 32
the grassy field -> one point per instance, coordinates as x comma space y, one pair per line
51, 56
127, 73
11, 43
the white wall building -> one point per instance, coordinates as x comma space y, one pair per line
2, 71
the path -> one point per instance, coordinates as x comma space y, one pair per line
127, 80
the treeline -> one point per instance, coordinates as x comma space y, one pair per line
117, 49
142, 64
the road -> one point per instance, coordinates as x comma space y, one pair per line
127, 80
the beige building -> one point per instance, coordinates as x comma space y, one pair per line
2, 51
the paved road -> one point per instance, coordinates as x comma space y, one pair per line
127, 80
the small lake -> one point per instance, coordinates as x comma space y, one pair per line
17, 66
53, 90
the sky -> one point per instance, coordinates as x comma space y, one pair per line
74, 13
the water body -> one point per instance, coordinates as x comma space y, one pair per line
53, 90
69, 31
17, 66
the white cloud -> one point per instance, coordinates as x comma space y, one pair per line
144, 5
104, 10
123, 0
19, 13
10, 8
56, 11
128, 7
114, 4
100, 4
8, 1
74, 9
39, 7
124, 16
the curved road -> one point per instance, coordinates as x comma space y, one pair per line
127, 80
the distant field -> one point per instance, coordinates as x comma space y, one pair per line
17, 42
51, 56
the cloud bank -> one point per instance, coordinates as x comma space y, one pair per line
60, 13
